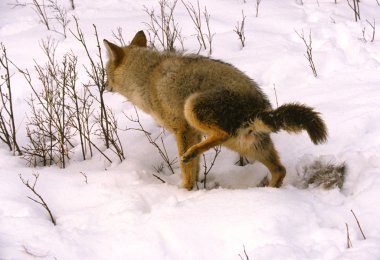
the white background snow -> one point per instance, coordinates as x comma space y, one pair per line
124, 212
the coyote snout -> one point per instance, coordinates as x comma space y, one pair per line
192, 96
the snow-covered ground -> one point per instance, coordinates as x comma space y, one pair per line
124, 212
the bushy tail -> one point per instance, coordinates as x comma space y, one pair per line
295, 118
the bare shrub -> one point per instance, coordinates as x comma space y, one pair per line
39, 8
61, 16
162, 27
309, 51
106, 120
355, 7
239, 30
204, 39
207, 168
118, 35
49, 11
48, 126
7, 120
81, 109
113, 135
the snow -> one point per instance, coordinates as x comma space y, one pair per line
124, 212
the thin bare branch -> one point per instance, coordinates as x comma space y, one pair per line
357, 221
239, 30
309, 51
39, 200
349, 243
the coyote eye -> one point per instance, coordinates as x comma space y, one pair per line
250, 131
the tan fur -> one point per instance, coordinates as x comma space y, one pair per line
193, 96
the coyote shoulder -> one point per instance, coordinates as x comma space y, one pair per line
192, 96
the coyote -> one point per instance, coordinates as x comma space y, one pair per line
192, 96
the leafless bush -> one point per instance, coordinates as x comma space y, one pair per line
80, 107
7, 120
153, 141
196, 16
39, 8
113, 136
61, 112
355, 7
60, 15
97, 74
163, 27
309, 51
118, 35
373, 26
48, 126
239, 30
207, 168
40, 200
49, 11
81, 110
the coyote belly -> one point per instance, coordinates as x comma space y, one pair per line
193, 96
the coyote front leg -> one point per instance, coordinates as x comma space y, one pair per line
189, 171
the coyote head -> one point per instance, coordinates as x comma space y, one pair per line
119, 56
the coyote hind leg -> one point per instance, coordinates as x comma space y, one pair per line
215, 135
214, 139
265, 152
269, 157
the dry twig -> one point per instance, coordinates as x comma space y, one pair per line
246, 257
357, 221
349, 243
7, 120
355, 7
309, 51
206, 168
40, 200
239, 30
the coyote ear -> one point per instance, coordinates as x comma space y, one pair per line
115, 53
139, 39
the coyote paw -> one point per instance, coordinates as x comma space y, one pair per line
188, 157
